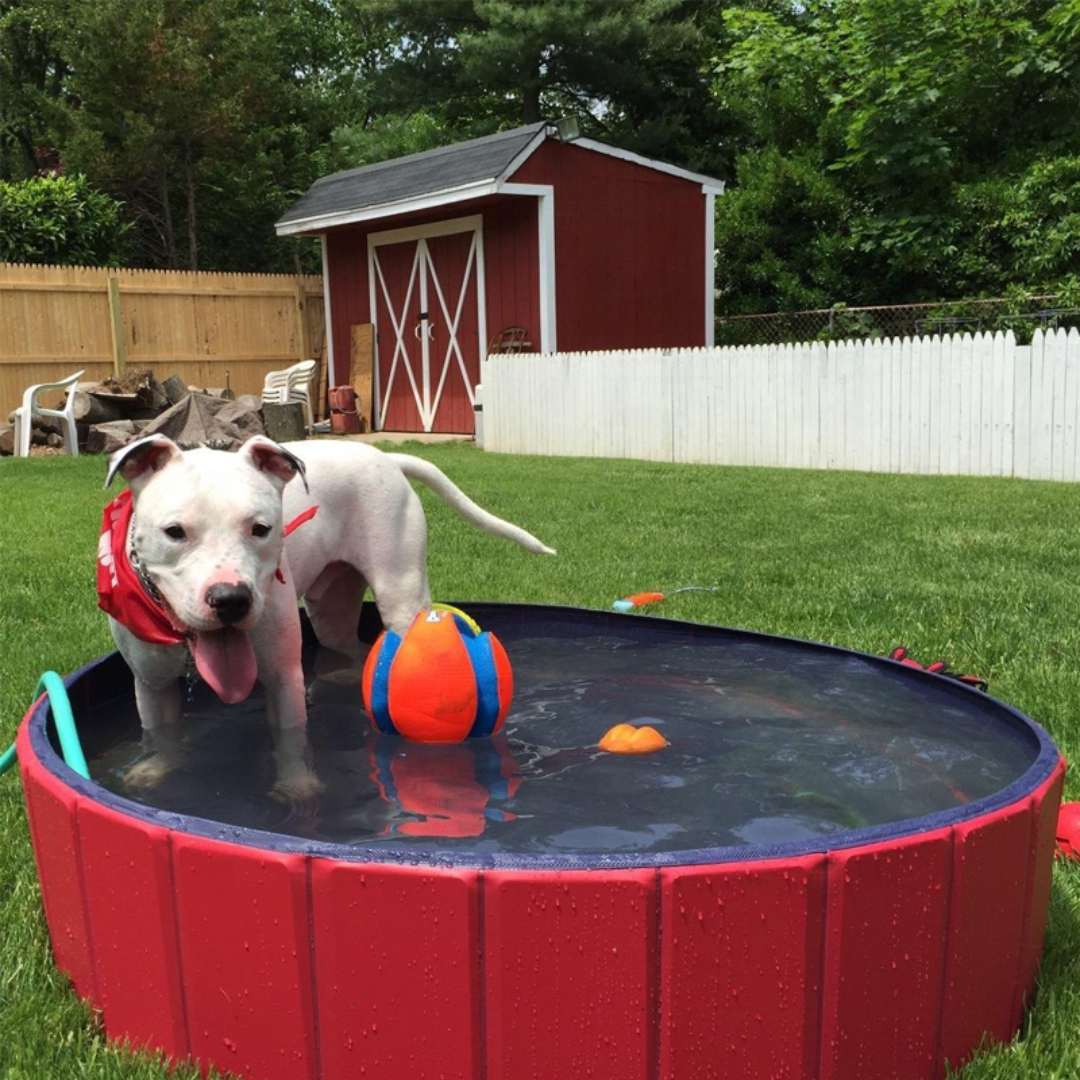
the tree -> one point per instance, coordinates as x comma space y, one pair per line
932, 117
32, 73
206, 117
633, 73
60, 220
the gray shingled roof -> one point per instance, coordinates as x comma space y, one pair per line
413, 176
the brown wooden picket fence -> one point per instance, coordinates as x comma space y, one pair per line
211, 329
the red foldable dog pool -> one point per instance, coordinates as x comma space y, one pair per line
839, 868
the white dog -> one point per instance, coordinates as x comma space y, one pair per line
210, 551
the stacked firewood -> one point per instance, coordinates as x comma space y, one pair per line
110, 414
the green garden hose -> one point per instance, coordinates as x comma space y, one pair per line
64, 720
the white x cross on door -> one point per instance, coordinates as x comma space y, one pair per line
427, 303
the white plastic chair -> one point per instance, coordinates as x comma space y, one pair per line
292, 384
25, 413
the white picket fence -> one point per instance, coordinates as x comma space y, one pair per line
976, 405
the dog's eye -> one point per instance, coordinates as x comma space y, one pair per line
260, 530
175, 532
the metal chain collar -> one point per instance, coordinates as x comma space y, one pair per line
144, 577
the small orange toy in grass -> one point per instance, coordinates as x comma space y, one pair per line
627, 739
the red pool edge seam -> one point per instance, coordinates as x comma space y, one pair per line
316, 1040
480, 1006
656, 979
185, 1023
514, 917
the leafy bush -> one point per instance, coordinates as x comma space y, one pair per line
60, 220
782, 236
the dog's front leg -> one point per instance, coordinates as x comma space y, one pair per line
159, 709
157, 670
276, 641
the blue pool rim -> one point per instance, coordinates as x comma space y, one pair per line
602, 621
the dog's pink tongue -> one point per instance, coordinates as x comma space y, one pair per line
226, 660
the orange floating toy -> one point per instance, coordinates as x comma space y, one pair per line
627, 739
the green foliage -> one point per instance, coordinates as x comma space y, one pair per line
633, 73
878, 152
781, 231
208, 118
769, 77
390, 136
845, 325
32, 73
1027, 230
60, 220
948, 127
205, 117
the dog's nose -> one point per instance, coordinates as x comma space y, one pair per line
229, 602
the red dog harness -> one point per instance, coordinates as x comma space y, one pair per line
130, 597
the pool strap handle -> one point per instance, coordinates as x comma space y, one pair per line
53, 687
900, 655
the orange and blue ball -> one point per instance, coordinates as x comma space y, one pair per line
443, 681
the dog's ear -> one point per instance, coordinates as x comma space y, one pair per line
139, 461
274, 461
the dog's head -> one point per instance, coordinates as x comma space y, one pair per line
208, 534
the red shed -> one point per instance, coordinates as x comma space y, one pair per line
520, 241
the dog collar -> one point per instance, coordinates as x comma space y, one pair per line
126, 591
296, 522
145, 579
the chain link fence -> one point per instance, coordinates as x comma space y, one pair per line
1022, 316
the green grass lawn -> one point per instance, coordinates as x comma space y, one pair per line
982, 573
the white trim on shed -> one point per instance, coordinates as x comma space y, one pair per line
328, 326
710, 269
394, 209
545, 223
488, 186
707, 183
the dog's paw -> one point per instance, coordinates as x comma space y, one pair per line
149, 772
350, 675
298, 790
338, 668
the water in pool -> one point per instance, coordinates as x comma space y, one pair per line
770, 742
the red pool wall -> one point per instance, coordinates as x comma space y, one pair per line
886, 960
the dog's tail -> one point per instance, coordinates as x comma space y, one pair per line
417, 469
